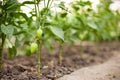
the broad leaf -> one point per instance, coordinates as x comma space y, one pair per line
22, 14
11, 5
8, 30
92, 25
58, 32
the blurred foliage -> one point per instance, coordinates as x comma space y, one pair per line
79, 22
85, 24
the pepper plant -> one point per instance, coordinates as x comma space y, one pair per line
41, 16
7, 10
11, 26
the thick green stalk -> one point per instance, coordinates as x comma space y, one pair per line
61, 54
39, 57
38, 41
1, 50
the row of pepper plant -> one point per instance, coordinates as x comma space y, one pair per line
43, 28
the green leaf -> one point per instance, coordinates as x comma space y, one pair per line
12, 52
23, 15
27, 2
92, 25
58, 32
62, 6
84, 3
8, 30
11, 5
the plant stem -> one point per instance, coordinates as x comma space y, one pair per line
39, 42
1, 50
39, 57
60, 54
40, 25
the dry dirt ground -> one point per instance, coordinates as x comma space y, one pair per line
109, 70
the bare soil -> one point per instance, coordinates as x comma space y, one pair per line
109, 70
75, 57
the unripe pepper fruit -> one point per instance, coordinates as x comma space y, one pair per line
39, 33
33, 47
